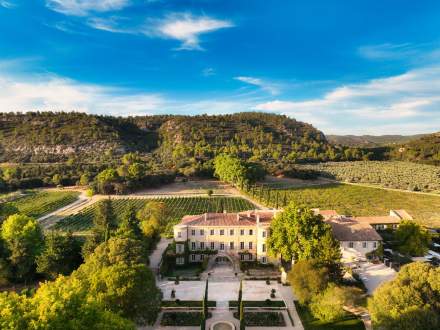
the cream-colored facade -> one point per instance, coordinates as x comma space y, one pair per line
235, 235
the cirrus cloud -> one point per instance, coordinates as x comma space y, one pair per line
85, 7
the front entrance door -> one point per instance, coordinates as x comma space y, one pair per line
222, 260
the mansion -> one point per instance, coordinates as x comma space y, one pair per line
243, 235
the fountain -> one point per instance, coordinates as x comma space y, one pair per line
222, 325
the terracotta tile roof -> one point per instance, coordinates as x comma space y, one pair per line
247, 218
349, 229
376, 220
325, 213
402, 214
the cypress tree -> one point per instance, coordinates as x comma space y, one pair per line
240, 293
205, 302
242, 325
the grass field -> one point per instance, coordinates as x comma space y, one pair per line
38, 203
350, 322
355, 200
179, 206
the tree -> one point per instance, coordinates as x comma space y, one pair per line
129, 290
24, 240
129, 226
66, 304
328, 305
240, 295
104, 220
7, 209
242, 322
410, 301
412, 239
61, 255
205, 302
308, 279
106, 179
298, 234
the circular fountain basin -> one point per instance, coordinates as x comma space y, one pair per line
222, 325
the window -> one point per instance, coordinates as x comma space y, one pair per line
263, 247
263, 233
193, 232
222, 246
212, 232
250, 245
264, 260
350, 245
250, 257
212, 246
375, 245
231, 245
202, 232
202, 245
179, 235
242, 256
364, 245
242, 245
251, 232
222, 231
179, 248
202, 257
180, 260
231, 232
193, 245
241, 232
193, 257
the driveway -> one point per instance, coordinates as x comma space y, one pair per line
374, 275
156, 256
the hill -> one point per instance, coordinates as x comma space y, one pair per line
424, 150
55, 137
370, 141
174, 140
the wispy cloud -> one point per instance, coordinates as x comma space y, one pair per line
185, 28
388, 51
7, 4
267, 86
85, 7
207, 72
413, 96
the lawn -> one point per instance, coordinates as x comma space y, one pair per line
356, 200
179, 206
39, 203
350, 322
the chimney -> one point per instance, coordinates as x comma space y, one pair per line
258, 219
249, 214
238, 217
224, 211
206, 216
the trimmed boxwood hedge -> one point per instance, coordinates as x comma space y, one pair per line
182, 319
186, 303
260, 303
263, 319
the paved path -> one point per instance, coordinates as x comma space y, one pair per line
156, 256
374, 275
288, 297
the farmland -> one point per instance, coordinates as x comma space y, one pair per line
354, 200
178, 206
38, 203
398, 175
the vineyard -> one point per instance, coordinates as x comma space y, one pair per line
38, 203
398, 175
353, 200
178, 206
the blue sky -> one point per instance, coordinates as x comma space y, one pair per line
347, 67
